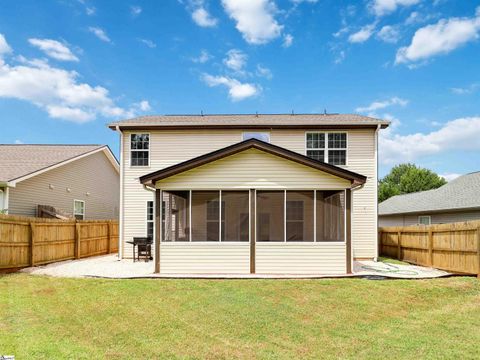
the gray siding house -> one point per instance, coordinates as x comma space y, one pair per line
457, 201
80, 181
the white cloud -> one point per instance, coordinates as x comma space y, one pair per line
440, 38
99, 33
340, 57
363, 34
264, 72
236, 90
377, 105
389, 34
148, 42
416, 17
54, 49
57, 91
90, 10
304, 1
255, 19
450, 176
203, 18
4, 47
385, 7
135, 10
466, 90
287, 41
143, 105
203, 57
18, 141
235, 60
458, 134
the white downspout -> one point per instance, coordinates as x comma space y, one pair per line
5, 200
376, 191
120, 215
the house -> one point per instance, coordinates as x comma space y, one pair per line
241, 194
456, 201
80, 181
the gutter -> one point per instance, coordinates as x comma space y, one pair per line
376, 192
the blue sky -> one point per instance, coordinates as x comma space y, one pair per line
69, 67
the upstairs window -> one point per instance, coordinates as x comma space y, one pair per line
327, 147
263, 136
139, 149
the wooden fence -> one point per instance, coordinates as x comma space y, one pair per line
26, 241
452, 247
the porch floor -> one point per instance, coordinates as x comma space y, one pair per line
109, 266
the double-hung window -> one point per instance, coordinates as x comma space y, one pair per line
150, 219
139, 149
79, 209
329, 147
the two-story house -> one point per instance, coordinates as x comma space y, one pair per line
264, 194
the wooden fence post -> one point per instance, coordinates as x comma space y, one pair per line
399, 245
109, 224
430, 247
77, 240
379, 243
32, 243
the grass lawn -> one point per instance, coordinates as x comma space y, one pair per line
52, 318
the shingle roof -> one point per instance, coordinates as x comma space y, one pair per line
250, 120
461, 193
20, 160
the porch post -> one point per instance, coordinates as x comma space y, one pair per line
348, 235
158, 228
252, 231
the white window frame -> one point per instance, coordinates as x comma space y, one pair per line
150, 221
131, 150
326, 149
256, 132
84, 208
425, 217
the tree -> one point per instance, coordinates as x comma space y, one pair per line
408, 178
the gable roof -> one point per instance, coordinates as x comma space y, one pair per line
249, 121
458, 194
150, 179
20, 161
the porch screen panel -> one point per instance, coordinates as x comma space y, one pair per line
205, 216
299, 216
330, 215
270, 215
175, 210
235, 216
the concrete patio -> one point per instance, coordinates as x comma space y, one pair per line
109, 266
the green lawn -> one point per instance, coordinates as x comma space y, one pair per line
51, 318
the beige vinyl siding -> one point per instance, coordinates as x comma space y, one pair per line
253, 169
360, 159
436, 218
166, 148
300, 258
93, 174
173, 146
205, 258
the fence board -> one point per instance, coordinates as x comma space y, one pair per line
452, 247
28, 241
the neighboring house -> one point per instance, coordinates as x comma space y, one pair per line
458, 200
80, 181
251, 193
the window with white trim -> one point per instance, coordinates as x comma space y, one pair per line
424, 220
329, 147
139, 149
263, 136
150, 219
79, 209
